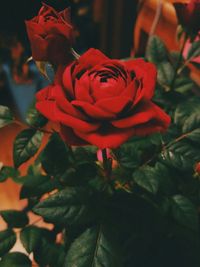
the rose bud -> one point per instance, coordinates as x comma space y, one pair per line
103, 102
188, 16
51, 35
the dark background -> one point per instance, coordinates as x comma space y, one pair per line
111, 30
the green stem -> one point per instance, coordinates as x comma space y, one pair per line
176, 72
107, 164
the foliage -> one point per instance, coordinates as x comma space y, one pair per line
143, 213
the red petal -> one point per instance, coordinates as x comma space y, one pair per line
82, 88
70, 138
75, 123
67, 80
114, 105
112, 138
47, 109
93, 111
146, 112
146, 72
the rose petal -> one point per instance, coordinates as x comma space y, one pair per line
93, 111
82, 89
146, 112
112, 138
67, 80
114, 105
70, 138
146, 72
75, 123
47, 109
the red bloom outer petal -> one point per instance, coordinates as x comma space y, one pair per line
39, 48
113, 138
70, 138
47, 109
93, 111
89, 59
66, 30
146, 112
130, 91
67, 80
34, 28
114, 105
82, 88
66, 14
75, 123
145, 71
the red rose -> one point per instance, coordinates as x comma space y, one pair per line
188, 15
104, 102
51, 35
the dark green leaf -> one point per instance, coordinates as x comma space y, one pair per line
7, 241
15, 259
183, 84
146, 178
34, 118
54, 157
36, 186
8, 172
181, 155
165, 73
185, 109
70, 206
192, 123
184, 212
14, 218
30, 238
6, 116
156, 50
26, 145
93, 248
194, 50
49, 254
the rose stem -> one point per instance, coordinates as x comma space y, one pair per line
179, 62
106, 163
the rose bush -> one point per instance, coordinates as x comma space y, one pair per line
188, 15
103, 102
51, 35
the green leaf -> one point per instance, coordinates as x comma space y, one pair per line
49, 254
194, 136
30, 238
165, 73
93, 248
146, 178
183, 85
184, 212
14, 218
156, 50
6, 116
34, 118
7, 241
54, 157
185, 109
191, 123
8, 172
181, 155
194, 50
71, 206
26, 145
36, 186
15, 259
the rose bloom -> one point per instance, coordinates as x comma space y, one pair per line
188, 15
103, 102
197, 168
51, 35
